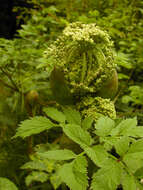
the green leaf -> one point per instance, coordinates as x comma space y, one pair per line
107, 177
36, 165
36, 176
77, 134
128, 182
133, 131
58, 154
122, 145
97, 154
33, 126
74, 178
41, 165
6, 184
103, 126
122, 76
124, 126
134, 157
55, 180
139, 173
87, 122
55, 114
72, 116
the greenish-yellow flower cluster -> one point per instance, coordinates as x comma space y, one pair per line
97, 107
84, 53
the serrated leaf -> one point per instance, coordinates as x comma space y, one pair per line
134, 156
73, 178
97, 154
80, 164
107, 177
103, 126
72, 116
122, 145
36, 176
124, 126
6, 184
87, 122
77, 134
128, 182
58, 154
55, 114
33, 126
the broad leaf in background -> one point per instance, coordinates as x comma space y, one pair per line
58, 154
72, 116
33, 126
74, 174
6, 184
36, 176
87, 122
103, 126
55, 114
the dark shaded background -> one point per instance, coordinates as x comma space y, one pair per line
7, 19
8, 25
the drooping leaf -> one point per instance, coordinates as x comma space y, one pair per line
36, 176
72, 116
103, 126
73, 178
58, 154
108, 177
6, 184
33, 126
55, 114
77, 134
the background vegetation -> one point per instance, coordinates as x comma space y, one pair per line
24, 82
